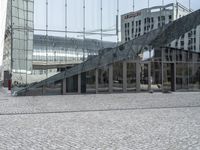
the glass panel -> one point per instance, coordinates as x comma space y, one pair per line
156, 76
90, 77
168, 77
54, 89
131, 77
182, 76
72, 84
194, 76
39, 14
144, 77
103, 79
22, 46
117, 76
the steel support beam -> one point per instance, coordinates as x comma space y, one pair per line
149, 76
97, 80
174, 77
162, 67
138, 71
79, 83
110, 78
124, 76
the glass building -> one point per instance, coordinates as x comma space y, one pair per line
48, 48
35, 50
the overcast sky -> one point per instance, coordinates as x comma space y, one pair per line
56, 16
75, 14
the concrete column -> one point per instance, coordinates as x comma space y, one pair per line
97, 80
149, 76
64, 86
162, 65
79, 83
110, 78
138, 71
124, 76
162, 75
174, 77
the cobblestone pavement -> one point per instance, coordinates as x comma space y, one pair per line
110, 121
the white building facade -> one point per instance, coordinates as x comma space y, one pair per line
135, 24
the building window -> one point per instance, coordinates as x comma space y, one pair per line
182, 43
148, 20
132, 32
189, 42
139, 22
189, 34
132, 23
148, 27
194, 32
159, 18
152, 19
176, 44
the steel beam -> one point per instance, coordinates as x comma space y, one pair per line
124, 76
110, 78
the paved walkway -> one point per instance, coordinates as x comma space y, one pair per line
108, 121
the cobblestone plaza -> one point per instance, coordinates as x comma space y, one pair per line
104, 121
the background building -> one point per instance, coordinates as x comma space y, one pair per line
135, 24
63, 53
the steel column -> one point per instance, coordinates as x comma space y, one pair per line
124, 76
111, 78
79, 83
96, 80
138, 71
149, 76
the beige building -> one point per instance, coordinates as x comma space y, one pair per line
135, 24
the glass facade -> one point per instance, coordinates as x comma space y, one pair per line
42, 41
22, 39
45, 34
22, 27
